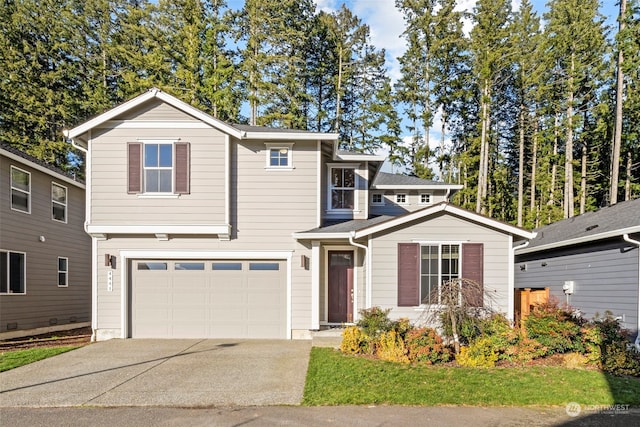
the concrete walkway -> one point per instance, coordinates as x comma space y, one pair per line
172, 373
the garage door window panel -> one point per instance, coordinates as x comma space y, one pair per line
264, 266
152, 266
189, 266
227, 266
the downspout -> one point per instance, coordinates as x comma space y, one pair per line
364, 263
446, 196
637, 243
512, 284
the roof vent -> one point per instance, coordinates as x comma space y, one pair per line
591, 227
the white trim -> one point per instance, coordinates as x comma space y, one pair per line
406, 199
356, 189
439, 242
359, 157
227, 181
444, 207
291, 136
319, 183
152, 124
158, 229
315, 285
40, 168
66, 202
12, 187
94, 287
417, 187
88, 166
126, 255
366, 192
637, 243
63, 271
382, 198
583, 239
320, 235
338, 248
420, 202
152, 195
274, 145
369, 272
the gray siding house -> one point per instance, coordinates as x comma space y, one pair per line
45, 268
206, 229
591, 262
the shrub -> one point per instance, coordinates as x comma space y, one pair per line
479, 354
390, 347
354, 341
616, 357
425, 345
591, 339
375, 321
555, 328
574, 360
468, 325
523, 349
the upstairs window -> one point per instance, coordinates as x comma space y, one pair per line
58, 202
279, 156
425, 199
377, 199
158, 167
401, 199
12, 272
342, 188
20, 190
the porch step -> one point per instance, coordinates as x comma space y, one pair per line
327, 338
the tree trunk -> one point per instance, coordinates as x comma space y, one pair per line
568, 155
534, 165
627, 184
617, 136
583, 180
484, 152
521, 166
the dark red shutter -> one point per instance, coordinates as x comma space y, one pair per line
473, 269
408, 274
135, 167
182, 168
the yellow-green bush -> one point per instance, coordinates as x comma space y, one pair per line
354, 341
390, 347
479, 354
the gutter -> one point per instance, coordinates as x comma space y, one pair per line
367, 279
512, 281
637, 243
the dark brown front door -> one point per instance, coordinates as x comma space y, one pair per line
340, 286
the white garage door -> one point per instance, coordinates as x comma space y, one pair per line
208, 299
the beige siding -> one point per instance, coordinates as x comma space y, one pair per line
110, 203
44, 302
155, 110
444, 228
390, 207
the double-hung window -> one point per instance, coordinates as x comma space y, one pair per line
12, 272
63, 272
20, 190
439, 264
58, 202
158, 168
343, 188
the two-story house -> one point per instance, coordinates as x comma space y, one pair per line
45, 275
202, 228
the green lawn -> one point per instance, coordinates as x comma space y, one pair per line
13, 359
337, 379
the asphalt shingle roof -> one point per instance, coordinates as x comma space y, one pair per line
349, 226
37, 161
384, 178
620, 216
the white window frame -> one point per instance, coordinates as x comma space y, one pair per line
377, 203
7, 253
55, 202
459, 273
65, 272
158, 168
356, 183
28, 192
403, 195
428, 195
279, 146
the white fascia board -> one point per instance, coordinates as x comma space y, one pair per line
186, 254
489, 222
418, 187
579, 240
360, 157
139, 100
320, 236
41, 168
158, 229
291, 136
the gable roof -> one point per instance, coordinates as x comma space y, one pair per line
363, 228
35, 163
384, 180
611, 221
78, 134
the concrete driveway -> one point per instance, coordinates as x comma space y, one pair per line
178, 373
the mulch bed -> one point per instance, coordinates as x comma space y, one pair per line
72, 337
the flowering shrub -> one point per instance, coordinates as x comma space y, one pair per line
479, 354
390, 346
354, 341
425, 345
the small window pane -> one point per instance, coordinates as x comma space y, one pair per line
4, 288
19, 179
20, 200
59, 212
62, 279
151, 181
151, 155
264, 266
152, 266
16, 272
165, 181
227, 266
62, 264
58, 193
166, 153
189, 266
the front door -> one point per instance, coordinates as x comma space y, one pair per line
340, 286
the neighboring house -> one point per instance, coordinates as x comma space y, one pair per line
202, 228
591, 262
45, 255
